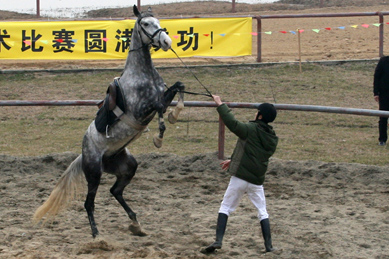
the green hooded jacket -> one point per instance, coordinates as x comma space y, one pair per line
256, 144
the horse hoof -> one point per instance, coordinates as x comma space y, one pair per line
173, 115
171, 118
136, 230
95, 233
157, 141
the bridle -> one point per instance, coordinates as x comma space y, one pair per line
150, 36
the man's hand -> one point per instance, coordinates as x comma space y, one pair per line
217, 100
376, 98
225, 164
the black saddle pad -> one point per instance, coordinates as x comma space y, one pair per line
104, 116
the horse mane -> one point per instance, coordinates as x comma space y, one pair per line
145, 14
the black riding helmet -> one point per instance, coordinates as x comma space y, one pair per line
268, 112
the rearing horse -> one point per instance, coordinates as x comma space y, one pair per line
142, 90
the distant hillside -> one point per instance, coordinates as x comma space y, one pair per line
339, 3
7, 15
218, 7
209, 8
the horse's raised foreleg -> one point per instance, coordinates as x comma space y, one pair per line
173, 115
92, 170
124, 166
159, 107
168, 98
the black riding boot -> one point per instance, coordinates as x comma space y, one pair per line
265, 225
220, 229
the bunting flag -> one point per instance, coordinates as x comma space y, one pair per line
317, 30
111, 39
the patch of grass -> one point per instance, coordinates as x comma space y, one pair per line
303, 135
18, 77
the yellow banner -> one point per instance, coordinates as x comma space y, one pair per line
205, 37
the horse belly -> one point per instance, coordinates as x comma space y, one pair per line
118, 137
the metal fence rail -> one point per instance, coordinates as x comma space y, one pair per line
221, 135
286, 107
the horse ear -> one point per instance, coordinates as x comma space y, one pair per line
136, 11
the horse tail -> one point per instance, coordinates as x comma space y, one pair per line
67, 189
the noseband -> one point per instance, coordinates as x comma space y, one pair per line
150, 36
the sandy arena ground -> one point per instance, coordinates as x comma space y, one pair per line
317, 210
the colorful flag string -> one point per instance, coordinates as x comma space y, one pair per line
293, 32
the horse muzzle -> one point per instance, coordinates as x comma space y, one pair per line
164, 41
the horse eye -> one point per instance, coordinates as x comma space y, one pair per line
146, 24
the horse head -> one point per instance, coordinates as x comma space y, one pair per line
150, 30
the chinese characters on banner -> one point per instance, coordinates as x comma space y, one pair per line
206, 37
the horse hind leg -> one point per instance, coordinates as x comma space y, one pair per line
124, 167
93, 174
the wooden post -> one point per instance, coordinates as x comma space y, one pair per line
138, 5
299, 42
381, 35
259, 39
38, 11
222, 130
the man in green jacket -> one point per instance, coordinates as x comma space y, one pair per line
256, 144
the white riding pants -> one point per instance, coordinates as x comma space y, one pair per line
234, 193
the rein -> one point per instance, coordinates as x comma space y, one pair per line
208, 94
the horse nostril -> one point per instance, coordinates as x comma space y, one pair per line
167, 42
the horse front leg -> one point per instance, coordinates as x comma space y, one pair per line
173, 115
169, 95
159, 136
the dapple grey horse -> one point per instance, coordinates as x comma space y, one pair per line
144, 93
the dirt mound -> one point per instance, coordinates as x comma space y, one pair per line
317, 210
